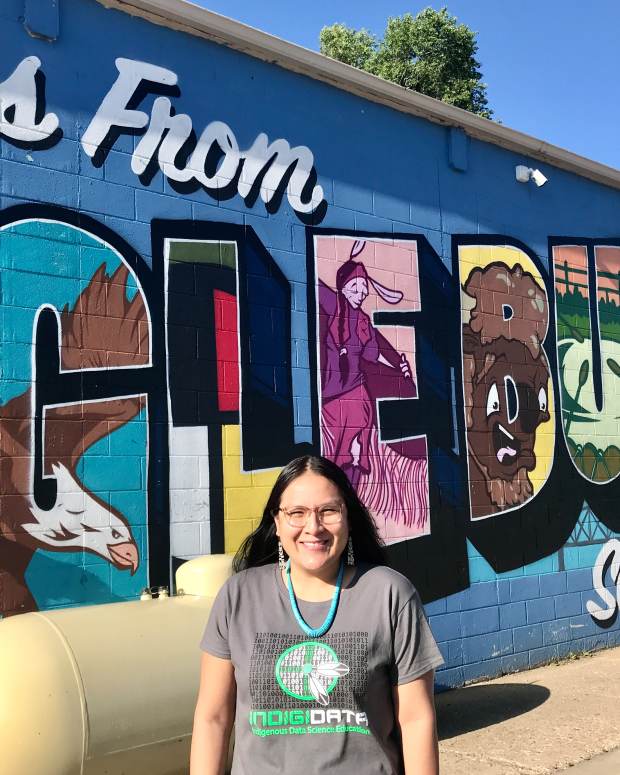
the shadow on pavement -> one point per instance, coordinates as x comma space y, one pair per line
476, 707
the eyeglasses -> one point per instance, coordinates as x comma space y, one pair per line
299, 516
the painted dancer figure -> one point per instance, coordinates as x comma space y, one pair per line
358, 366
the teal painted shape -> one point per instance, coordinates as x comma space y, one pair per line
41, 263
480, 570
51, 263
79, 578
589, 529
585, 542
580, 551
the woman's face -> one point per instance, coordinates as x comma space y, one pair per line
355, 291
314, 548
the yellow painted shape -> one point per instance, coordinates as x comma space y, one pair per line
472, 256
245, 494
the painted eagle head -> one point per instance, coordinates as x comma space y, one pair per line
79, 520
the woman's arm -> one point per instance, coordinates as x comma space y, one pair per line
214, 716
415, 713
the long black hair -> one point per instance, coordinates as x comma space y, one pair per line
261, 546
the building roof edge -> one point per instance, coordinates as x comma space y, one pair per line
196, 20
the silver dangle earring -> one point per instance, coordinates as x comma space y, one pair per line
281, 563
350, 555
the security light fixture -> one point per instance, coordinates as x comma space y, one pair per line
525, 174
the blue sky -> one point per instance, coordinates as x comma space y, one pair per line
552, 66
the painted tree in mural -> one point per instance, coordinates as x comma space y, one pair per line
591, 425
78, 520
430, 53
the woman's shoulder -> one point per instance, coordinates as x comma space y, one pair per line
387, 579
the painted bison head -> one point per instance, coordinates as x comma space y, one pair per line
506, 383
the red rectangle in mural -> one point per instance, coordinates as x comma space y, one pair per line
227, 350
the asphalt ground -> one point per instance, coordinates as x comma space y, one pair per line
564, 716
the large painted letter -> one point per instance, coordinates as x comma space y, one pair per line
229, 366
388, 361
521, 507
364, 361
587, 288
76, 389
506, 377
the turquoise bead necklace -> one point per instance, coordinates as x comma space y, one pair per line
331, 614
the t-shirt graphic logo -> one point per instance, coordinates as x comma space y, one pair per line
309, 671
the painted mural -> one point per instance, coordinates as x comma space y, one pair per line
123, 448
362, 363
506, 378
150, 395
70, 306
587, 289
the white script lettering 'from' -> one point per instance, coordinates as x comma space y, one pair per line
214, 161
18, 106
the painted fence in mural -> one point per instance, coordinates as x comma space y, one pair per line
147, 407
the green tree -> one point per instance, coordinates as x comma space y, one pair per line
430, 53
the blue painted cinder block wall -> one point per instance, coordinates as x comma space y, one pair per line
198, 329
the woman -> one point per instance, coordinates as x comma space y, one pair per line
325, 663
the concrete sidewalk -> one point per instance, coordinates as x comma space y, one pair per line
537, 722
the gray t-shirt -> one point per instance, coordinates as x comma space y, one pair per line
321, 704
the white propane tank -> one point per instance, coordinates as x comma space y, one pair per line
106, 689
